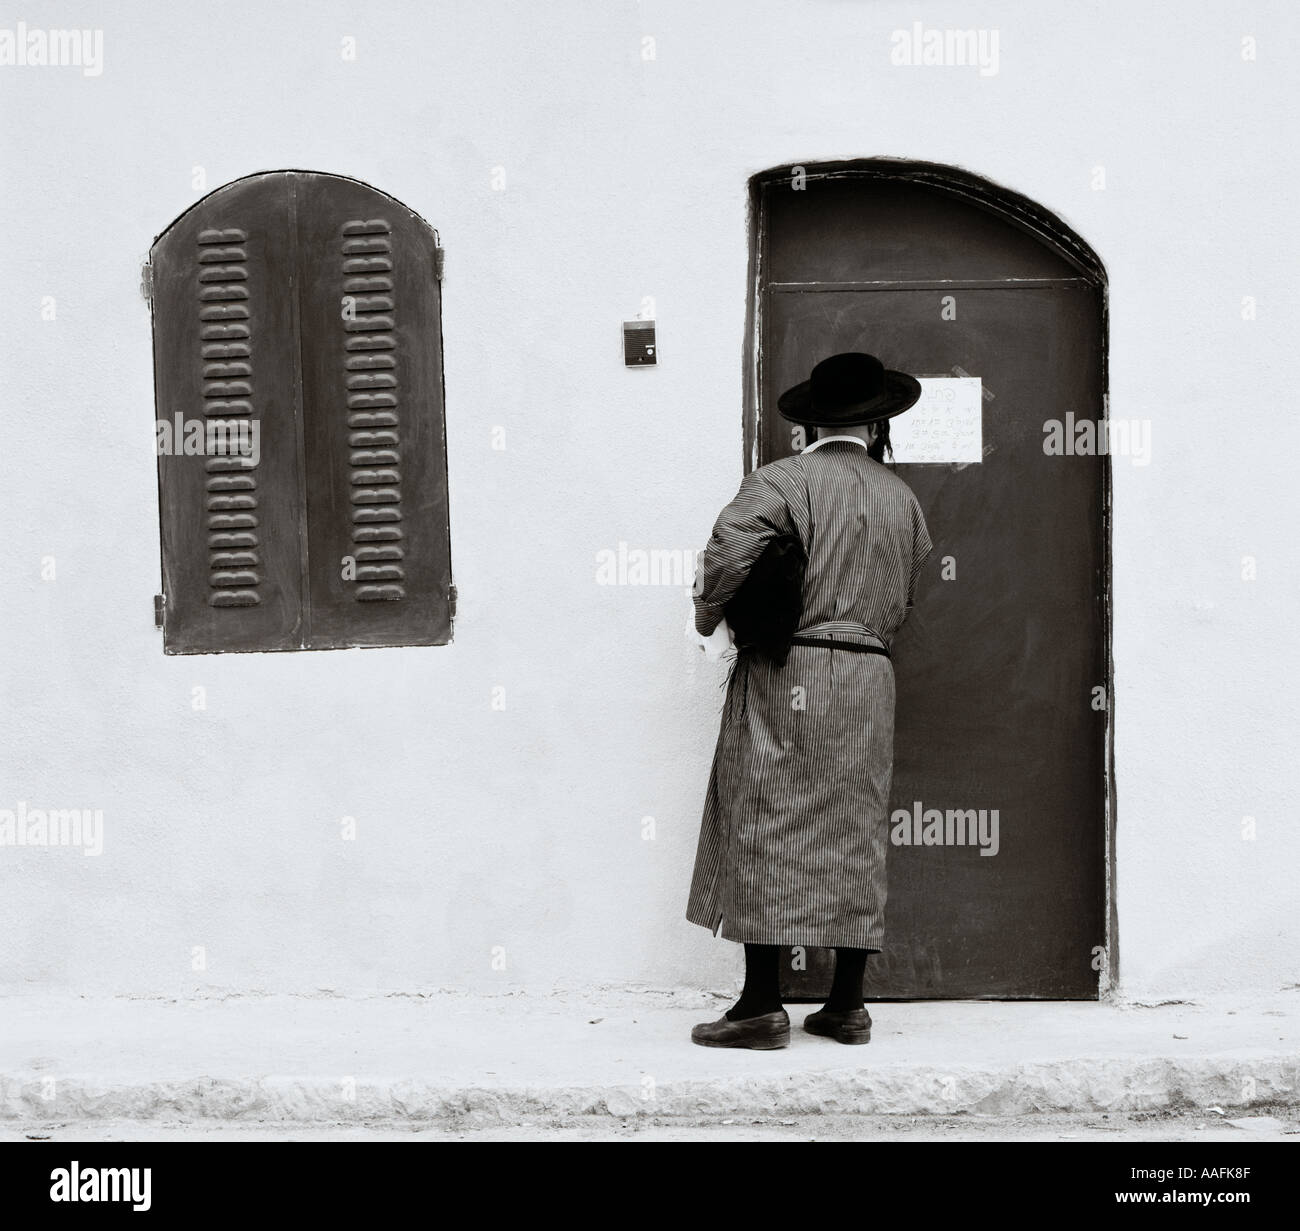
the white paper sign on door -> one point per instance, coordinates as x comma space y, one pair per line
946, 425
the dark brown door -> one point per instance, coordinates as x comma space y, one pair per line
1002, 668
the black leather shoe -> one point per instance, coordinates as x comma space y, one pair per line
844, 1026
766, 1032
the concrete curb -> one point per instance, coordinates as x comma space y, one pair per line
481, 1062
1084, 1085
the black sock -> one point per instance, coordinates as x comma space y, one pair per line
762, 991
846, 987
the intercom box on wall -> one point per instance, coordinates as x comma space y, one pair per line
639, 343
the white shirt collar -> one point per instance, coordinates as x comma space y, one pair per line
821, 440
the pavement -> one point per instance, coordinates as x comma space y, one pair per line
619, 1061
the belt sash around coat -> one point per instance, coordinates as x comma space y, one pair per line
795, 832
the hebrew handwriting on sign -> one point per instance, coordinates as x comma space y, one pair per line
946, 425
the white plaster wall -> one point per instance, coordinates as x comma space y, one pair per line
625, 178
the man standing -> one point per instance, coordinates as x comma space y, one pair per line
795, 831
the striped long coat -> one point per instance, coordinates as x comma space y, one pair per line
795, 831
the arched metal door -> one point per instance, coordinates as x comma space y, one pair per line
1002, 670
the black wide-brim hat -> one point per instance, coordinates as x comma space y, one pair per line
849, 389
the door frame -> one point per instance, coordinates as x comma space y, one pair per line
1053, 233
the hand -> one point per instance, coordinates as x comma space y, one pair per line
718, 644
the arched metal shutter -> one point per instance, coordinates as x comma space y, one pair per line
308, 305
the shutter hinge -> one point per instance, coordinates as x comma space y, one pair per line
451, 601
146, 281
158, 609
438, 255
